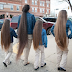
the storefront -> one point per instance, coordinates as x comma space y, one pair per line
8, 14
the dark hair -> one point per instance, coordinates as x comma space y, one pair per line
37, 34
22, 33
26, 8
5, 35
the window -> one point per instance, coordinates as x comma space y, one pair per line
11, 7
43, 3
47, 4
40, 3
40, 10
25, 1
32, 9
47, 11
1, 21
35, 9
17, 8
50, 19
1, 6
2, 16
14, 19
43, 10
33, 2
70, 19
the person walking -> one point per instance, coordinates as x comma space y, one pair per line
39, 42
26, 24
7, 34
60, 32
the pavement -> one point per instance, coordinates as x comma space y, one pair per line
50, 59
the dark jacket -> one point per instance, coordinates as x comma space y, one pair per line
30, 22
12, 34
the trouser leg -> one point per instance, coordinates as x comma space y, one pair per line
42, 54
64, 59
8, 54
27, 50
59, 56
36, 63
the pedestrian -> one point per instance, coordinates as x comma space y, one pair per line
39, 42
60, 31
7, 34
26, 24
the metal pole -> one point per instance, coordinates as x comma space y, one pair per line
45, 6
38, 6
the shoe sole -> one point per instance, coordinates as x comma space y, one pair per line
44, 65
5, 64
37, 68
61, 69
26, 64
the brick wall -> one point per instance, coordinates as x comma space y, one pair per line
41, 10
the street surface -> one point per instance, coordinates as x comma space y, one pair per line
50, 58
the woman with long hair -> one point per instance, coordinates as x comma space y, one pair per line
26, 24
60, 31
7, 34
39, 42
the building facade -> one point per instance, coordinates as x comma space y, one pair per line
9, 8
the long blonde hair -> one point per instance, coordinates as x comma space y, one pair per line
37, 34
60, 30
5, 35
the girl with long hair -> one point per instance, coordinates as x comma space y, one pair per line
39, 42
60, 31
26, 24
7, 34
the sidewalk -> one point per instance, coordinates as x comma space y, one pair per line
50, 59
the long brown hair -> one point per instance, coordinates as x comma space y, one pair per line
37, 34
60, 30
22, 33
5, 35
